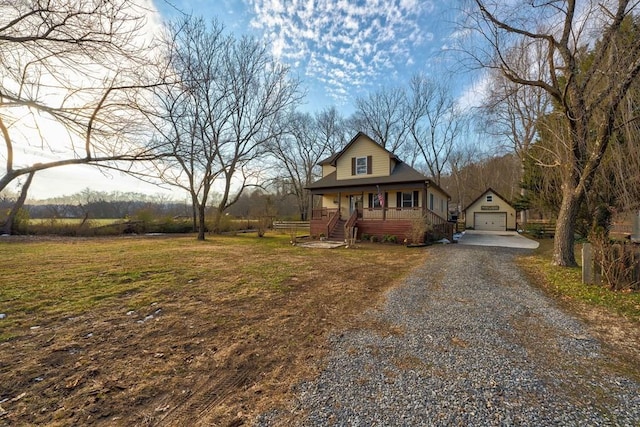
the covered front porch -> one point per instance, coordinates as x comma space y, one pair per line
376, 213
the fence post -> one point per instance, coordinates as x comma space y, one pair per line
587, 264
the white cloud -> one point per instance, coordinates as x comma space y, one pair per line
473, 95
363, 40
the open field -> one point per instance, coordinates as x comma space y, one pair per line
75, 221
171, 331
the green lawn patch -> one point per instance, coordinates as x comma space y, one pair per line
567, 284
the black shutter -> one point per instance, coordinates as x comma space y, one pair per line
415, 198
399, 199
353, 166
386, 197
369, 165
370, 200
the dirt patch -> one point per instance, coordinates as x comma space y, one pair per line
620, 336
197, 354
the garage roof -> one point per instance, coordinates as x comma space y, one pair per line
488, 190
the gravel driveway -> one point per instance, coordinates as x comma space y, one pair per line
467, 341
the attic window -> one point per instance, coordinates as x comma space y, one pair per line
361, 165
489, 198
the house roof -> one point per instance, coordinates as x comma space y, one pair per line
488, 190
401, 174
333, 159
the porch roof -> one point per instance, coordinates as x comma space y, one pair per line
402, 174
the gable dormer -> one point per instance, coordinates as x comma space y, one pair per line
362, 158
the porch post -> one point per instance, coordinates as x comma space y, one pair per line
339, 204
385, 207
425, 196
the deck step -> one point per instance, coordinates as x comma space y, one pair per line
338, 231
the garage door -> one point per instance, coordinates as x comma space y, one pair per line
494, 221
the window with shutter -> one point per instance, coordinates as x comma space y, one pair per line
361, 166
374, 200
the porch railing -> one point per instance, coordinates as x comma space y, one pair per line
328, 218
402, 213
333, 219
350, 222
322, 213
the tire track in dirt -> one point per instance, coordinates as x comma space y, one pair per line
201, 402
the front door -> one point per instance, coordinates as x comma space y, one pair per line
355, 203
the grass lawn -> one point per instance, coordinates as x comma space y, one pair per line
566, 283
168, 330
614, 317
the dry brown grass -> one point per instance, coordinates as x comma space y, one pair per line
171, 331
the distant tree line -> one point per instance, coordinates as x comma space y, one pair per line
90, 204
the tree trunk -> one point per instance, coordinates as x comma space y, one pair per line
194, 216
201, 224
524, 214
563, 253
8, 226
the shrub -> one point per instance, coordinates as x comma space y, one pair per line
263, 224
535, 230
389, 238
420, 226
21, 222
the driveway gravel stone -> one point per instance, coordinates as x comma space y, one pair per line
466, 340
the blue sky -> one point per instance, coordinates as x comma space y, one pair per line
342, 49
339, 49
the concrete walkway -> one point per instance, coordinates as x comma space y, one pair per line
504, 239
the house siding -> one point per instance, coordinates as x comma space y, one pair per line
327, 169
365, 147
440, 203
400, 229
328, 201
385, 173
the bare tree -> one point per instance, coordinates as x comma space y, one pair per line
510, 111
304, 141
434, 123
588, 96
332, 130
460, 162
188, 109
222, 113
382, 115
71, 83
261, 90
8, 227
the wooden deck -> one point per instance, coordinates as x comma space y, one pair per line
380, 222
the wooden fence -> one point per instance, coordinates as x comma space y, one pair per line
540, 227
291, 226
617, 265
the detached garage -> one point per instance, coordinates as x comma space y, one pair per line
490, 212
